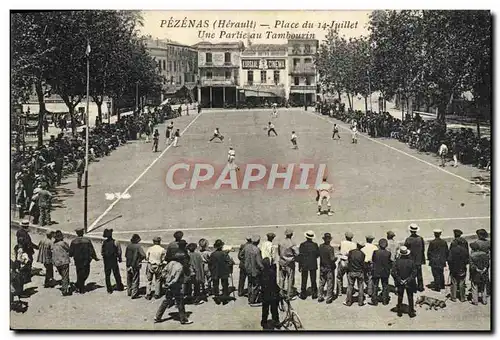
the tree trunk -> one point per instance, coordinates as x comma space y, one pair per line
41, 111
73, 121
366, 104
340, 98
349, 100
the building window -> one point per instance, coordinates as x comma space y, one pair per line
171, 79
227, 58
208, 57
308, 80
296, 49
296, 61
296, 80
209, 74
263, 76
307, 49
180, 79
170, 66
307, 60
228, 75
276, 77
164, 65
250, 77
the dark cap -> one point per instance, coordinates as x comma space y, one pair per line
382, 243
178, 235
157, 239
135, 238
390, 234
327, 236
457, 232
271, 235
218, 244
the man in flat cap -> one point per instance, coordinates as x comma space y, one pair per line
381, 271
155, 256
482, 241
345, 247
368, 249
253, 267
457, 262
268, 250
437, 254
111, 253
404, 272
287, 251
82, 251
308, 264
173, 246
459, 240
327, 265
355, 273
134, 254
416, 245
241, 266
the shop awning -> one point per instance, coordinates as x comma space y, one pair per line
265, 93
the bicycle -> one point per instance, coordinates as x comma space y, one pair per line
292, 319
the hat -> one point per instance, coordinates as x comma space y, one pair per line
107, 233
390, 234
370, 238
226, 248
457, 232
413, 227
25, 223
309, 234
382, 243
481, 233
349, 234
79, 230
203, 243
288, 232
327, 236
218, 244
178, 235
271, 235
58, 235
135, 238
157, 239
404, 251
49, 232
255, 238
437, 231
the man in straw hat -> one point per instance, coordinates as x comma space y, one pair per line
287, 251
416, 246
155, 256
134, 254
404, 273
437, 253
308, 264
111, 253
327, 265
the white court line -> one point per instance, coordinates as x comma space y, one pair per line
93, 225
482, 187
307, 224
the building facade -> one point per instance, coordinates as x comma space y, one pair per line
178, 64
302, 71
264, 73
219, 65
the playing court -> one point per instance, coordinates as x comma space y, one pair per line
379, 184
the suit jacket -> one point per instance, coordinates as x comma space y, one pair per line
196, 263
45, 251
327, 257
455, 242
457, 261
382, 263
437, 253
417, 248
308, 255
405, 269
60, 253
134, 254
241, 254
253, 260
82, 251
219, 263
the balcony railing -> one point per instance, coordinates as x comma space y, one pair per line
303, 88
306, 69
218, 81
221, 65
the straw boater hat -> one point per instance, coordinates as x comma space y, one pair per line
404, 251
413, 227
309, 234
25, 223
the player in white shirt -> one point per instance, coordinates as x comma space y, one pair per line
323, 194
345, 247
354, 135
443, 151
275, 110
294, 140
270, 128
217, 135
231, 156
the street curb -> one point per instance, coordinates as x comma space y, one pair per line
43, 230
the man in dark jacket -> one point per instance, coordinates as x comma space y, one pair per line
172, 247
45, 257
382, 264
111, 253
404, 273
82, 251
308, 264
24, 240
270, 293
457, 262
219, 263
355, 273
437, 253
479, 266
415, 244
327, 260
243, 273
134, 254
457, 233
253, 267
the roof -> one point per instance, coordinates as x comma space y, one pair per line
266, 47
208, 44
163, 43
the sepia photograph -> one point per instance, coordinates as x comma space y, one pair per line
251, 170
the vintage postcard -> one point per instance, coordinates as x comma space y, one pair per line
251, 170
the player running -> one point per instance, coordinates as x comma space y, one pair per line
275, 110
354, 135
169, 132
270, 128
294, 140
323, 194
335, 131
217, 135
231, 156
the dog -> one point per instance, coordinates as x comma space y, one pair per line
430, 302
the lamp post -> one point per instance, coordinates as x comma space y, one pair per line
108, 103
369, 89
137, 96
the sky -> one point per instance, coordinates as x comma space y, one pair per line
156, 24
